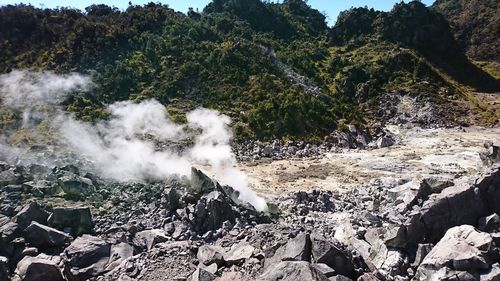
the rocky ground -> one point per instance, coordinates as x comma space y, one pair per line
425, 208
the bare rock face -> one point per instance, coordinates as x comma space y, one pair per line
37, 269
292, 271
463, 249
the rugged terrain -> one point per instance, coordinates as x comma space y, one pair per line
399, 212
365, 151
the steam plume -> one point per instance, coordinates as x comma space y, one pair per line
121, 147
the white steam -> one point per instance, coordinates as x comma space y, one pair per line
122, 147
31, 91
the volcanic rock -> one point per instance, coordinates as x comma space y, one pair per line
31, 212
462, 248
77, 220
87, 256
208, 254
202, 275
42, 236
292, 271
37, 269
147, 239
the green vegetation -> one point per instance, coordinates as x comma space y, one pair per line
476, 25
222, 58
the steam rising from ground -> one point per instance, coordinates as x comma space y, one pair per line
122, 147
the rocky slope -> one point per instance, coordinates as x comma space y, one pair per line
62, 223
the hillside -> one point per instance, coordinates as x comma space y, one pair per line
476, 25
276, 69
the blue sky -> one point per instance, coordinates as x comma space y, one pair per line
330, 7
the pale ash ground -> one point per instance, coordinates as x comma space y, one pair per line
420, 153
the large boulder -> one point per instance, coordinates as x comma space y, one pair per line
202, 275
462, 249
8, 232
147, 239
31, 212
390, 260
118, 253
4, 269
239, 253
209, 254
10, 176
292, 271
37, 269
332, 254
75, 220
407, 195
296, 249
212, 210
42, 236
201, 183
75, 185
491, 274
87, 256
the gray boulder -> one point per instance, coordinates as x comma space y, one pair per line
202, 275
41, 188
118, 253
325, 269
208, 254
422, 251
31, 212
385, 141
4, 269
37, 269
333, 255
296, 249
147, 239
10, 176
490, 223
462, 249
74, 185
87, 256
75, 220
201, 183
491, 274
239, 253
292, 271
407, 195
42, 236
212, 210
387, 259
8, 232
